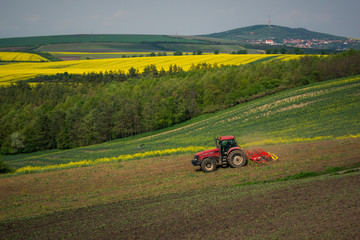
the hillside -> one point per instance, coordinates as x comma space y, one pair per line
120, 190
294, 37
318, 112
115, 43
21, 57
102, 148
17, 71
155, 192
75, 110
278, 33
227, 41
315, 208
91, 38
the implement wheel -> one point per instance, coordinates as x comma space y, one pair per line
237, 158
208, 165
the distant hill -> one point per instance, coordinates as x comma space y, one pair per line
292, 37
92, 38
116, 43
252, 37
277, 33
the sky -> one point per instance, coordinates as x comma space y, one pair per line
20, 18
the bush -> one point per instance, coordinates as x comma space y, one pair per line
4, 168
178, 53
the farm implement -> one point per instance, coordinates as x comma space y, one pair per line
260, 156
226, 153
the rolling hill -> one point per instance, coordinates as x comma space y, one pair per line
307, 114
116, 43
278, 33
12, 73
119, 190
263, 35
310, 192
91, 38
227, 41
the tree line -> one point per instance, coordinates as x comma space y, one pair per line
68, 111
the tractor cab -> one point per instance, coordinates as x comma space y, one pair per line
225, 144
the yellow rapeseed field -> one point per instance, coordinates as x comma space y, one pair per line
13, 72
29, 169
288, 57
21, 57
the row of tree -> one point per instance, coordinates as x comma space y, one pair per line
68, 111
284, 51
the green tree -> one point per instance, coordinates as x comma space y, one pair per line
74, 110
178, 53
17, 142
298, 51
150, 69
133, 72
242, 51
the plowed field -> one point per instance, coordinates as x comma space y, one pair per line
316, 208
168, 198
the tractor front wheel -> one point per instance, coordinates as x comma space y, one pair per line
208, 165
237, 159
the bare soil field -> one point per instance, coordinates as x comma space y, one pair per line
317, 208
168, 198
68, 58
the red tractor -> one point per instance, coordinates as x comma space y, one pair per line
227, 152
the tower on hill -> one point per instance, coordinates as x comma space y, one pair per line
269, 22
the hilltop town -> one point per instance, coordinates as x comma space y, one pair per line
338, 44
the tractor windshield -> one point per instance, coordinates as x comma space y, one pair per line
226, 145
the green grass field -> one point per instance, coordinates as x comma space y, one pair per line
102, 43
138, 47
323, 111
89, 38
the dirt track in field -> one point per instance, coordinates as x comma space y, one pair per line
70, 58
317, 208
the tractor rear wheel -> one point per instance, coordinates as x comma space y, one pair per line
237, 158
208, 165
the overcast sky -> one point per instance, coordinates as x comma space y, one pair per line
183, 17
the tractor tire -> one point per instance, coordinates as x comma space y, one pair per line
208, 165
237, 158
